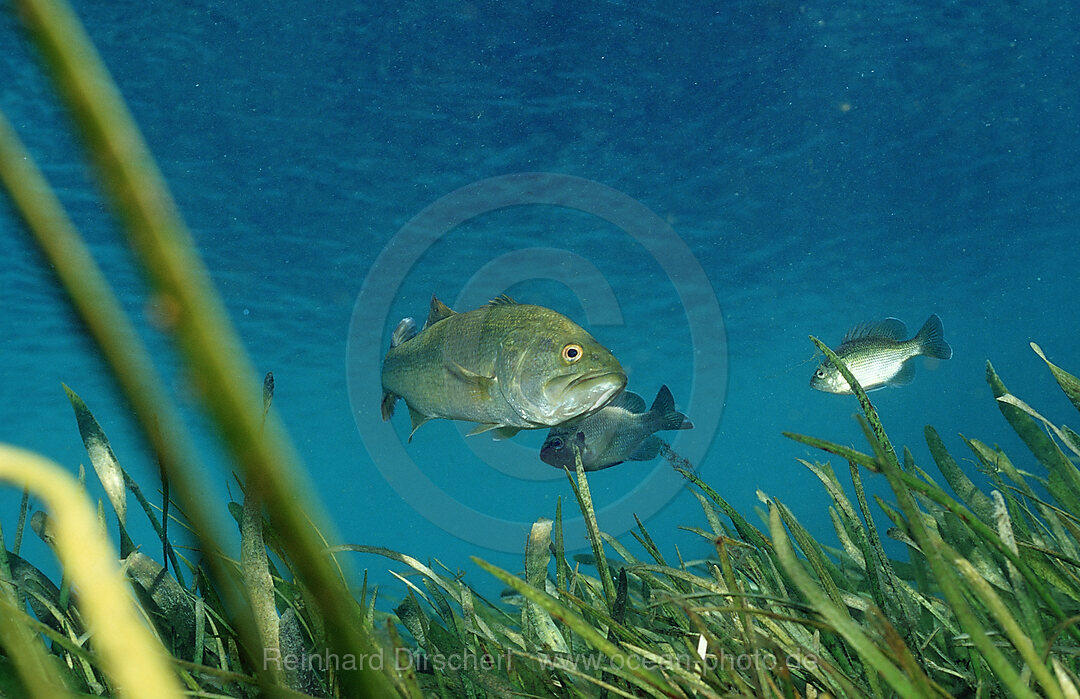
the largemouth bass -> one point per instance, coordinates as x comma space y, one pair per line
506, 366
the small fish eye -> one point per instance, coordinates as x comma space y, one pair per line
556, 443
572, 352
820, 373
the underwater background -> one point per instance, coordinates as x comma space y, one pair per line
797, 168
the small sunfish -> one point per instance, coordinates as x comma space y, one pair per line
507, 366
620, 431
878, 355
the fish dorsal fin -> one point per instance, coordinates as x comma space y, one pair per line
888, 329
501, 300
406, 330
629, 401
437, 311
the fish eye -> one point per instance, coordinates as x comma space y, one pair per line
572, 352
820, 373
555, 443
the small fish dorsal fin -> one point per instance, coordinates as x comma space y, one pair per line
629, 401
888, 329
501, 300
437, 311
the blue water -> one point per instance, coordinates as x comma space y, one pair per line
722, 183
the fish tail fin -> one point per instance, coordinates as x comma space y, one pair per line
931, 339
387, 406
406, 330
664, 408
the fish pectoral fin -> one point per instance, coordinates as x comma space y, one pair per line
647, 450
417, 418
484, 427
479, 383
504, 433
905, 376
467, 374
500, 432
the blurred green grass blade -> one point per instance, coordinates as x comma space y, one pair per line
36, 672
1069, 383
219, 365
106, 321
130, 654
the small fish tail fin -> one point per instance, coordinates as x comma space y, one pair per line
406, 330
387, 405
931, 339
664, 408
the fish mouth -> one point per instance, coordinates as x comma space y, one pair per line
588, 392
596, 377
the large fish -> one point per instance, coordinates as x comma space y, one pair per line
505, 365
878, 355
620, 431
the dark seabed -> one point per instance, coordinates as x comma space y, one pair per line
799, 168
